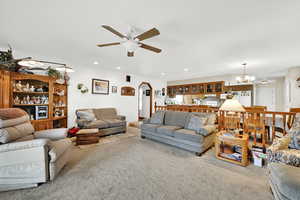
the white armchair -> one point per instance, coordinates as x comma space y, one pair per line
28, 158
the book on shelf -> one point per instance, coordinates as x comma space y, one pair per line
233, 156
227, 135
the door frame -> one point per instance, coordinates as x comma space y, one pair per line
151, 95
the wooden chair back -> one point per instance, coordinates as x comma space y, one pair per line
291, 118
256, 108
231, 123
254, 123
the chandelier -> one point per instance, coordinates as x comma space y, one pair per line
245, 78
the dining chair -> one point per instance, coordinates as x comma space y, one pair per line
254, 124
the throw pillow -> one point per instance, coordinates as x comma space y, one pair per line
87, 115
196, 123
295, 138
157, 118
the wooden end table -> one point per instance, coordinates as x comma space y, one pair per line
241, 141
87, 136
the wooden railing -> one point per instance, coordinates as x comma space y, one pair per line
184, 108
274, 121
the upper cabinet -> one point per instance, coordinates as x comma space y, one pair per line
197, 88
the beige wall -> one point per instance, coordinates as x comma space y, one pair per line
292, 91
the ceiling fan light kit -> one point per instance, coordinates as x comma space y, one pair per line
131, 42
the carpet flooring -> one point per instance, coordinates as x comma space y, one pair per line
132, 168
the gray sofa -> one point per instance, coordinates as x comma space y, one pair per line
105, 119
177, 129
29, 157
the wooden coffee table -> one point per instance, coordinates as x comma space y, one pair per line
238, 141
87, 136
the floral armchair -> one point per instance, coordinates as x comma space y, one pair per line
287, 149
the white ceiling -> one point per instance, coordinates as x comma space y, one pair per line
209, 37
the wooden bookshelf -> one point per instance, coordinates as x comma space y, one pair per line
9, 91
241, 141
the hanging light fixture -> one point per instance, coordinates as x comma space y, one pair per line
245, 78
30, 63
65, 69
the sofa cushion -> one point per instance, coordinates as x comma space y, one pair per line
11, 113
286, 178
211, 117
149, 127
105, 113
52, 134
174, 118
14, 122
86, 114
98, 124
196, 123
13, 133
207, 130
189, 135
167, 130
25, 138
158, 117
115, 122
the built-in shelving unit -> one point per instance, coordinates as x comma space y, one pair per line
41, 97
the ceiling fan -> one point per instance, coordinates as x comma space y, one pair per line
130, 42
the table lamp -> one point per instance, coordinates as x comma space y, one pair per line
231, 118
232, 105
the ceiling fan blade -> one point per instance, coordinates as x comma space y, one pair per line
113, 31
148, 34
151, 48
130, 54
108, 44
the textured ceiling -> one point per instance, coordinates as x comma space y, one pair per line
209, 37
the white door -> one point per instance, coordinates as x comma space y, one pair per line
265, 96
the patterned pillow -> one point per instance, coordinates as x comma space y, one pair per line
158, 117
196, 123
295, 138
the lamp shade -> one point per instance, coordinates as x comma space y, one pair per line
232, 105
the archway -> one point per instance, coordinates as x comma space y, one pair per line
144, 100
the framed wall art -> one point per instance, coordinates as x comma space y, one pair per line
100, 86
114, 89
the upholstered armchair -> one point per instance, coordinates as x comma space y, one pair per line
287, 149
28, 158
284, 164
280, 152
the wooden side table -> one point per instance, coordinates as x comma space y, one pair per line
87, 136
241, 141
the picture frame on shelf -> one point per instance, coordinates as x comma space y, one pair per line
114, 89
100, 86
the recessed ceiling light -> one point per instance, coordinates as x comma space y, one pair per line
186, 69
163, 73
118, 68
96, 62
